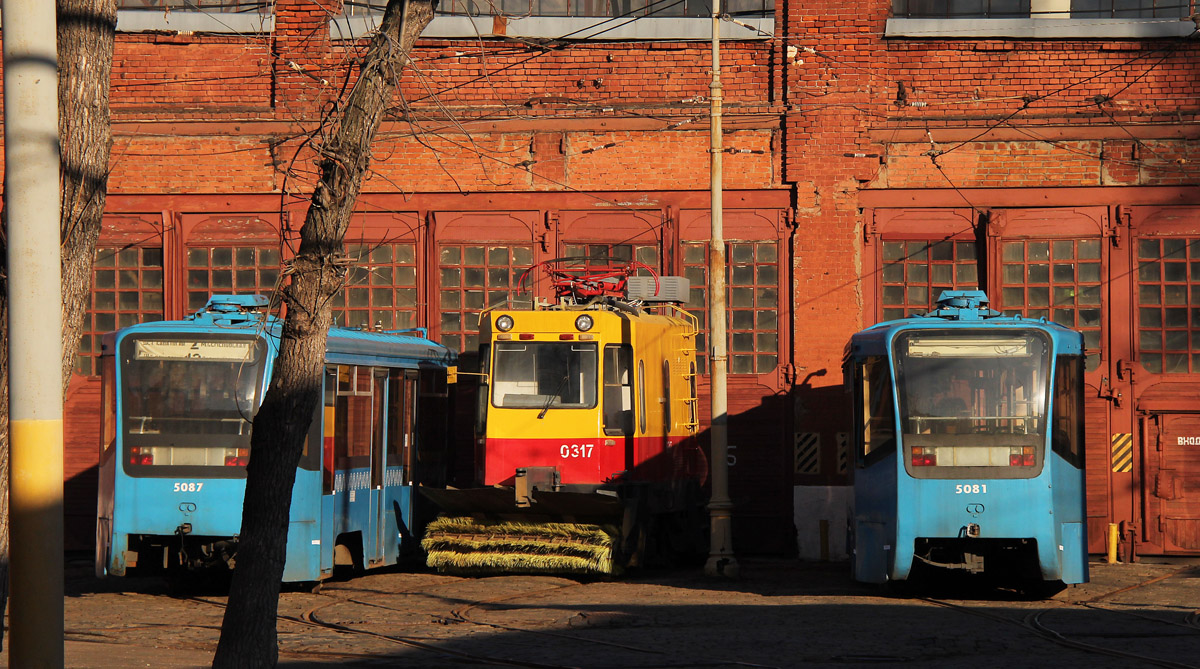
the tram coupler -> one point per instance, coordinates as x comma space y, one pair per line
529, 479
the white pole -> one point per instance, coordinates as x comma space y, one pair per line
721, 561
31, 170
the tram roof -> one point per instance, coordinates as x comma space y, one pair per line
246, 315
961, 309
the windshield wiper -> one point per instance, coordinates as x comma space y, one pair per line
557, 394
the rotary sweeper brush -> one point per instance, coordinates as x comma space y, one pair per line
463, 545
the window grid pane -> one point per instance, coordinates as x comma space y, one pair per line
224, 270
381, 287
752, 303
474, 277
127, 288
1058, 280
916, 272
1168, 318
602, 256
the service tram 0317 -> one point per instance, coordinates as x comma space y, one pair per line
179, 399
969, 447
586, 454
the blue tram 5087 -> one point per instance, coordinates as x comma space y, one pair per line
969, 446
178, 402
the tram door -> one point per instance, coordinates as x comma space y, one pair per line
357, 449
396, 500
373, 550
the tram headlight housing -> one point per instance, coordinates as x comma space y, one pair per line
504, 323
584, 323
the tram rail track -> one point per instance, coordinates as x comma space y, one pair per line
544, 622
1033, 622
462, 614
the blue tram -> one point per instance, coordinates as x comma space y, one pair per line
178, 401
968, 446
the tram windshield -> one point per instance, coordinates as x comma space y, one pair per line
544, 375
972, 400
189, 403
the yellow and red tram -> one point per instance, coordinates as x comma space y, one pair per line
586, 422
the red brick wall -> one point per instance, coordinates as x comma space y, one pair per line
829, 108
906, 103
172, 76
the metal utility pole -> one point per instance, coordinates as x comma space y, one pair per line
31, 166
721, 561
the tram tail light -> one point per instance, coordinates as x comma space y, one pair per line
923, 456
237, 457
1020, 456
140, 455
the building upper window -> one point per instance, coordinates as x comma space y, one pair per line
187, 16
1041, 18
574, 19
1026, 9
595, 8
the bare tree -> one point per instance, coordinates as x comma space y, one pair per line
248, 632
86, 33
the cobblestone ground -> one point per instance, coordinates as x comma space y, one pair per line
778, 613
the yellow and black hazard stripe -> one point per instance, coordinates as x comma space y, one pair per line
808, 452
1122, 452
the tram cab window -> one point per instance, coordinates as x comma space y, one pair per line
973, 403
187, 403
876, 415
618, 389
544, 375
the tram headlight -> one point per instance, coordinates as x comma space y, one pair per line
583, 323
504, 323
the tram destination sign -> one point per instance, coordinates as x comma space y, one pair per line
180, 349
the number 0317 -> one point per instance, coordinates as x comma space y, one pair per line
575, 451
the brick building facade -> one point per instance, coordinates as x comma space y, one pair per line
874, 157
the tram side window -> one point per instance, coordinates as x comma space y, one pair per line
352, 430
1067, 439
329, 405
433, 405
618, 389
642, 396
377, 426
877, 417
310, 457
667, 399
108, 404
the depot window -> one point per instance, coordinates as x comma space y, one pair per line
574, 19
190, 16
1038, 18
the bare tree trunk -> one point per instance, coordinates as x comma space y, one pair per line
248, 632
86, 32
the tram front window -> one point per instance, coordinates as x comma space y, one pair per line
188, 403
972, 404
544, 375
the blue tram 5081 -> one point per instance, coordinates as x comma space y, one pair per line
178, 400
969, 446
